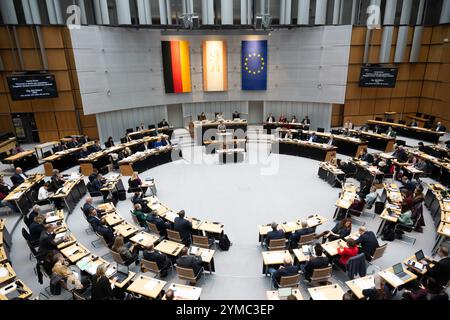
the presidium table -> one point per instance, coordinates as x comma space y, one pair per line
317, 151
199, 128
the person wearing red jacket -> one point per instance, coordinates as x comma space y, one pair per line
346, 252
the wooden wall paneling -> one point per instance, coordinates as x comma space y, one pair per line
10, 61
66, 120
6, 123
92, 133
445, 58
45, 121
426, 35
351, 107
429, 89
63, 82
400, 89
381, 106
432, 71
374, 54
27, 37
356, 54
53, 38
4, 103
56, 59
397, 105
384, 92
42, 105
358, 36
366, 108
353, 91
417, 71
368, 93
354, 72
442, 91
435, 53
444, 72
403, 71
46, 136
438, 34
425, 105
65, 101
414, 89
19, 106
423, 53
411, 105
4, 38
32, 60
91, 120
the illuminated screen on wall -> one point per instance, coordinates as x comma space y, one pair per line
378, 77
32, 86
215, 66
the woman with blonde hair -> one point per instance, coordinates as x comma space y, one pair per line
128, 255
102, 288
135, 183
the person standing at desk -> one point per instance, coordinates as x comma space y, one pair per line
368, 242
18, 177
274, 234
440, 127
441, 270
222, 127
270, 118
184, 227
163, 124
159, 258
236, 115
47, 241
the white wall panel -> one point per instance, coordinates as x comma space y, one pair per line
128, 63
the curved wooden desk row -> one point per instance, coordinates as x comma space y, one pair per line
10, 287
21, 195
330, 173
375, 140
136, 135
270, 126
26, 160
7, 145
312, 150
437, 200
63, 160
410, 132
143, 161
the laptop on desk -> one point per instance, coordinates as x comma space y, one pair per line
398, 271
122, 272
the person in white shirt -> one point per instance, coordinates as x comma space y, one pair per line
313, 138
330, 142
288, 134
44, 194
348, 125
294, 119
219, 116
270, 119
221, 127
141, 127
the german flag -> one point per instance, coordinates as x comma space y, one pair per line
176, 66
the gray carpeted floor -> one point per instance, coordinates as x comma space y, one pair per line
275, 188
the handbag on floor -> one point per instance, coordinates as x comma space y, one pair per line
224, 243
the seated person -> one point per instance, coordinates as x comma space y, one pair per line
62, 268
4, 191
371, 197
415, 291
93, 219
189, 261
270, 118
128, 255
88, 206
202, 117
161, 259
274, 234
18, 177
135, 183
169, 295
366, 156
143, 147
102, 288
93, 175
84, 153
282, 119
96, 147
221, 127
405, 218
341, 230
381, 291
106, 232
35, 211
141, 216
400, 154
236, 115
43, 193
286, 270
421, 165
36, 228
57, 181
358, 204
440, 127
159, 222
313, 138
413, 123
157, 143
435, 290
306, 121
441, 270
319, 261
391, 133
184, 227
72, 144
408, 184
164, 142
219, 116
294, 119
97, 186
109, 143
288, 134
295, 236
345, 253
368, 242
163, 124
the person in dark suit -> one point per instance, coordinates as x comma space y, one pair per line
97, 184
36, 228
102, 288
18, 177
366, 156
106, 232
275, 234
143, 147
236, 115
295, 236
109, 143
163, 124
187, 261
161, 259
72, 144
93, 219
93, 175
96, 147
319, 261
87, 206
159, 222
341, 230
56, 181
441, 270
35, 211
47, 241
368, 242
84, 153
286, 270
440, 127
270, 118
400, 154
306, 121
381, 290
184, 227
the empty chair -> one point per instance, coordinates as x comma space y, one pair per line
151, 126
320, 276
201, 241
174, 236
123, 140
277, 244
379, 252
390, 120
400, 142
320, 130
188, 274
152, 266
306, 239
129, 130
153, 228
419, 114
401, 121
31, 246
47, 154
289, 281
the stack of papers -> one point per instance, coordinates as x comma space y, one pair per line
3, 272
150, 285
318, 295
366, 283
185, 293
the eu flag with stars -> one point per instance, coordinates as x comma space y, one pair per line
254, 65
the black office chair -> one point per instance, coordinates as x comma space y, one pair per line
426, 116
31, 246
151, 126
419, 114
400, 142
93, 193
123, 140
378, 119
401, 122
390, 120
27, 237
320, 130
130, 130
428, 125
55, 149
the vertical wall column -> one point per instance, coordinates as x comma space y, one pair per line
321, 12
354, 11
83, 11
263, 6
54, 12
445, 12
208, 11
123, 12
105, 11
144, 11
303, 12
418, 30
388, 31
226, 9
282, 10
9, 15
168, 12
336, 11
246, 11
285, 12
31, 11
403, 31
369, 34
162, 12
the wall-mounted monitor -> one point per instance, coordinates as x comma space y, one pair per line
378, 77
32, 86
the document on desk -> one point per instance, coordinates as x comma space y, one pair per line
366, 283
318, 295
392, 278
170, 215
83, 263
59, 236
150, 285
292, 225
72, 250
52, 219
92, 268
187, 294
3, 272
110, 271
278, 256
